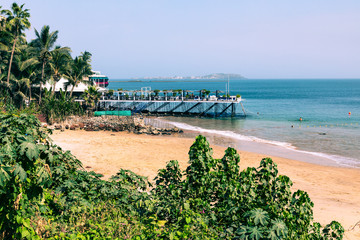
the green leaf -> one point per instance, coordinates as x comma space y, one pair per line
19, 171
242, 232
279, 227
43, 175
272, 236
24, 233
255, 233
7, 148
31, 150
186, 206
258, 216
26, 223
4, 175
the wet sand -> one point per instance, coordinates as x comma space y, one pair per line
334, 190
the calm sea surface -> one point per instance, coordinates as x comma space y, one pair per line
273, 110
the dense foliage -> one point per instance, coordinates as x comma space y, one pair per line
25, 67
45, 193
58, 108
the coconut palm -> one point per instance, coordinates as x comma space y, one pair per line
91, 96
59, 64
17, 21
5, 42
80, 68
5, 39
44, 42
24, 71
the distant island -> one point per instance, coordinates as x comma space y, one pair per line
220, 76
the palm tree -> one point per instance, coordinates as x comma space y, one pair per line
80, 68
25, 71
43, 44
91, 96
5, 42
17, 21
59, 64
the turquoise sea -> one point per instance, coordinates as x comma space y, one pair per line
327, 135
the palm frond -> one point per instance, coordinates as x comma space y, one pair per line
3, 47
28, 63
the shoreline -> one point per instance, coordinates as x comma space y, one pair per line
330, 188
265, 146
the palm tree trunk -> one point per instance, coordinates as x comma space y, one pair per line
53, 89
72, 89
11, 59
29, 94
42, 79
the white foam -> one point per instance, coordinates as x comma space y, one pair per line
340, 160
231, 134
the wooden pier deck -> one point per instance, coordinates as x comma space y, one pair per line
204, 107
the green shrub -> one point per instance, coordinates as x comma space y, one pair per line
59, 108
256, 203
45, 193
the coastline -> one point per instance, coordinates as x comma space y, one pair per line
334, 190
251, 143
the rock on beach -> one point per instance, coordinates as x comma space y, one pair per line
114, 124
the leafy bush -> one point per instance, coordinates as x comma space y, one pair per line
256, 203
45, 193
58, 108
27, 161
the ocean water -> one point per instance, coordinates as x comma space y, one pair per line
327, 135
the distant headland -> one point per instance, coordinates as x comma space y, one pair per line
217, 76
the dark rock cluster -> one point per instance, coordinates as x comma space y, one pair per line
114, 124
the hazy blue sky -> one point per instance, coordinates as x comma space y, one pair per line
255, 38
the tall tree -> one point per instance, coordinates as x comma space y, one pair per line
5, 42
59, 64
17, 21
25, 65
80, 69
43, 43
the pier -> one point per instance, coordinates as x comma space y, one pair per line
188, 105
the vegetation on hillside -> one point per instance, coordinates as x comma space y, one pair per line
26, 66
45, 193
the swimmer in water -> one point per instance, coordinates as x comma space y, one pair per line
300, 119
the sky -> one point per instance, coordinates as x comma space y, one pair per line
254, 38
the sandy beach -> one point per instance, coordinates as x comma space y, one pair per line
334, 191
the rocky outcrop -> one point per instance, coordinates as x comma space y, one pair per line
114, 124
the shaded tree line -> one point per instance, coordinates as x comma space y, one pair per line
26, 66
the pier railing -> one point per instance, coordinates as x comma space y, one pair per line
192, 107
